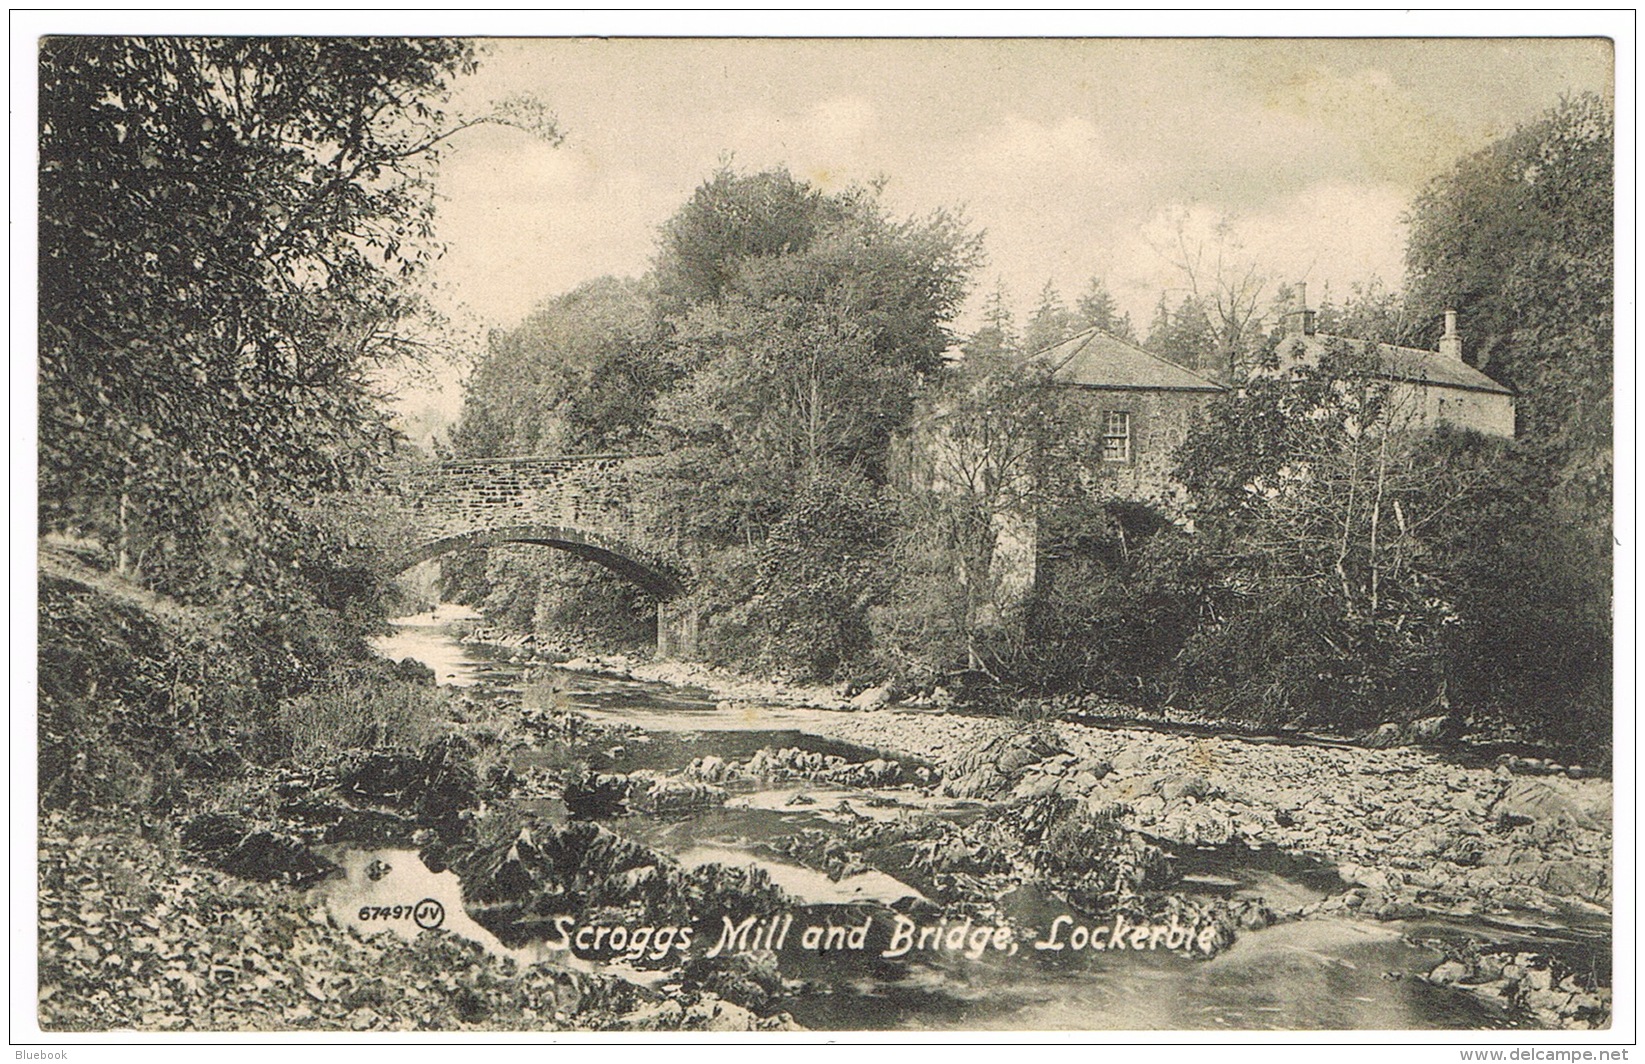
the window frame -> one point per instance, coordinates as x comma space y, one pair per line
1128, 436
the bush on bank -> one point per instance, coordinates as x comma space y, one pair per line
140, 695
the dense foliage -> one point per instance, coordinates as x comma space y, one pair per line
779, 344
853, 508
1520, 240
230, 229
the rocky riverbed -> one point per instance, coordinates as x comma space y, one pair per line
1415, 838
1403, 824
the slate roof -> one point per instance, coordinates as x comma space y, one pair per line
1410, 364
1095, 359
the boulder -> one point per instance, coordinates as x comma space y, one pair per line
246, 849
1187, 786
1550, 799
872, 698
1194, 824
1034, 784
1085, 782
1383, 736
711, 769
1134, 758
1449, 972
998, 764
1096, 766
1586, 879
709, 1013
671, 794
1434, 729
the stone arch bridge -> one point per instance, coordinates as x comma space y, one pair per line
581, 504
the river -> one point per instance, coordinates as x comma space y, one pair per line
1317, 973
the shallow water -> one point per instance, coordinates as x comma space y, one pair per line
1310, 974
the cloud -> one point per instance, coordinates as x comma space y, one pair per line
832, 144
522, 221
1329, 234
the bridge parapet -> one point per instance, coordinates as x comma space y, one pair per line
591, 493
582, 504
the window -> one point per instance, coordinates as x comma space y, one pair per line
1116, 435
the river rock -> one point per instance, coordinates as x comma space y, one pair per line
1449, 972
1369, 878
876, 773
666, 1015
1134, 758
244, 848
1434, 729
1084, 782
710, 769
872, 698
671, 794
1551, 799
597, 794
995, 767
709, 1013
1383, 736
1096, 766
1193, 823
1036, 783
1186, 786
1149, 808
1587, 879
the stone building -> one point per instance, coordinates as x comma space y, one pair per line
1144, 406
1429, 387
1143, 403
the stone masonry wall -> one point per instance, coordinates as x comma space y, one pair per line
590, 493
1159, 424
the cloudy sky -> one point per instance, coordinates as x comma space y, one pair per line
1076, 157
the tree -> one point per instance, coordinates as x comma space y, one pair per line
1051, 322
226, 226
1228, 288
783, 393
816, 576
1326, 597
730, 220
1372, 311
996, 340
810, 351
579, 375
1519, 239
1098, 308
997, 452
1183, 335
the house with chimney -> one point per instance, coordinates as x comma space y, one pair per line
1145, 404
1428, 388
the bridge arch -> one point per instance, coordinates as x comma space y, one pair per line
606, 551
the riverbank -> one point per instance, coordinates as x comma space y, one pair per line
177, 879
135, 936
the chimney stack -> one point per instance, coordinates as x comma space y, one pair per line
1450, 345
1299, 321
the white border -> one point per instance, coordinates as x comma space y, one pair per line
25, 26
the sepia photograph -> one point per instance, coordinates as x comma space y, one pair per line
763, 535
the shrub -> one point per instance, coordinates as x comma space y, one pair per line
360, 708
